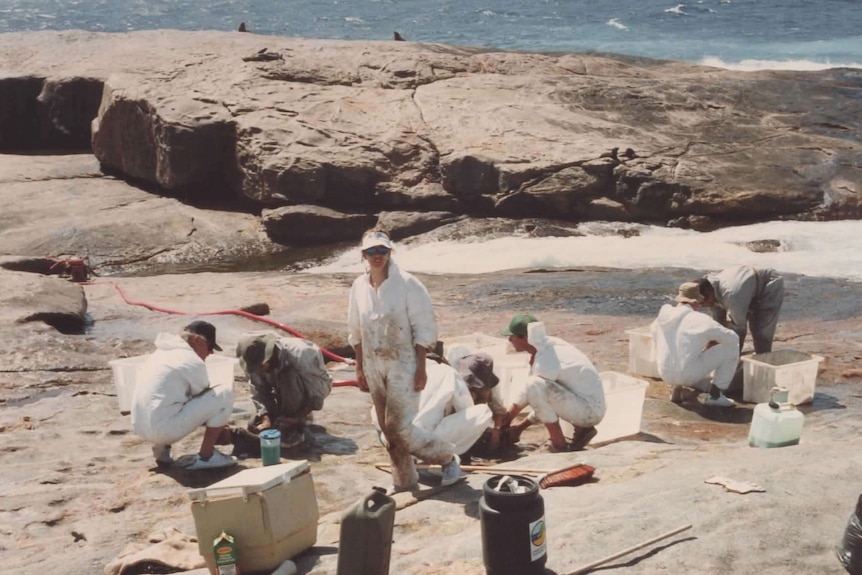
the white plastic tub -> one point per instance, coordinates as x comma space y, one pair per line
125, 377
642, 360
624, 400
795, 370
220, 369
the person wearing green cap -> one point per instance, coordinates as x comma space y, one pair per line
563, 384
288, 380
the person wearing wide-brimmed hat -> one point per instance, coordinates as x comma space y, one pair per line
453, 404
743, 297
690, 345
288, 380
173, 397
563, 384
391, 326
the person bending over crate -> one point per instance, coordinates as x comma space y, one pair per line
288, 381
563, 384
690, 345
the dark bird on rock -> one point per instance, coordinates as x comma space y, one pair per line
612, 154
397, 37
242, 27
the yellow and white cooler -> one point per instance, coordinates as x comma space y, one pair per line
271, 512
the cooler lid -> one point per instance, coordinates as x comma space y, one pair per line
251, 481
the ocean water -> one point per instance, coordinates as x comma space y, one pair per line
740, 34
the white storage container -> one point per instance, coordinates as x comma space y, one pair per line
642, 359
624, 402
794, 370
220, 369
125, 373
271, 512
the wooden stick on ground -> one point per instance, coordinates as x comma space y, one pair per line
480, 468
589, 567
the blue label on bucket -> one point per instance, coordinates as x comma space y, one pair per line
538, 541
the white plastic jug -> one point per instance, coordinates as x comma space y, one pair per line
777, 423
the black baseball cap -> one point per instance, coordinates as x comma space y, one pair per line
206, 330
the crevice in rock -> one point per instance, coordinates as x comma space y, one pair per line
125, 262
55, 383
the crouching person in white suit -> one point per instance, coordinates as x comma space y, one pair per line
173, 398
446, 405
454, 404
563, 384
690, 345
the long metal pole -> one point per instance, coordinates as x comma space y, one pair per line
594, 564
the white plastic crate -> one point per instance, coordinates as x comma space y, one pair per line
624, 401
642, 357
795, 370
220, 369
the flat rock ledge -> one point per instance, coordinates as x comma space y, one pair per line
322, 136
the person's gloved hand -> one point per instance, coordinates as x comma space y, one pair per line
264, 423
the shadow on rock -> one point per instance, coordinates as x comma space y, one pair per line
197, 478
821, 402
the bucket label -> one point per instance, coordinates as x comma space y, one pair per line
538, 541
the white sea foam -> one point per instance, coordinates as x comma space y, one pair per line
754, 65
676, 10
823, 249
617, 24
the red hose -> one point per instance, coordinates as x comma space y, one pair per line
255, 317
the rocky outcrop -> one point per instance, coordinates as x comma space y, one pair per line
35, 297
365, 127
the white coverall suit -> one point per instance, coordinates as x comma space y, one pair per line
173, 396
680, 335
563, 383
748, 295
446, 408
388, 323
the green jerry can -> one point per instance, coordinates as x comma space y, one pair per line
366, 535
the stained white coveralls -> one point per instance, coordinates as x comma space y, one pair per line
680, 335
173, 396
748, 295
563, 383
446, 408
389, 322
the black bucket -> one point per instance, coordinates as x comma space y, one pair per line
850, 550
512, 515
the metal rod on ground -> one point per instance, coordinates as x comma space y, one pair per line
594, 564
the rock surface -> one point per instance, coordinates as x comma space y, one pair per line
78, 486
361, 126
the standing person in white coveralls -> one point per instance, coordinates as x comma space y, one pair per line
745, 296
690, 345
391, 326
563, 384
446, 405
173, 397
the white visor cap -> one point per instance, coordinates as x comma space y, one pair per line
375, 239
